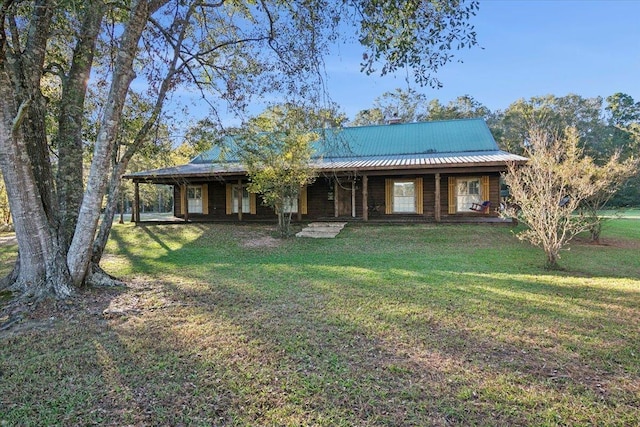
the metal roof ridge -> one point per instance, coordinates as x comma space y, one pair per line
409, 123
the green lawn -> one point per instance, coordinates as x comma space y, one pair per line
405, 325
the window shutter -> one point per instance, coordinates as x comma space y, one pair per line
205, 199
388, 196
303, 200
229, 199
252, 203
419, 196
452, 195
183, 199
484, 187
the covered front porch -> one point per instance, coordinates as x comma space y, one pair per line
354, 196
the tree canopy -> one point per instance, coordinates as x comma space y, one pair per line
54, 54
276, 148
409, 105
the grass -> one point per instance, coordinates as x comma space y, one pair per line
384, 325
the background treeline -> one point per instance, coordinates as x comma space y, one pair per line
604, 125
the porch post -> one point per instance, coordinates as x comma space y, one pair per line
353, 198
240, 194
365, 197
336, 186
437, 202
136, 202
121, 221
185, 201
299, 213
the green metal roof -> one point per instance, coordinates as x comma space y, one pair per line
449, 136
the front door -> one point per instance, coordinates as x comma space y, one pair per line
343, 194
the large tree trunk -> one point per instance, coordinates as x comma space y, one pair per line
45, 267
120, 164
69, 182
109, 213
80, 250
40, 270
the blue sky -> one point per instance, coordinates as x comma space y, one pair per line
530, 48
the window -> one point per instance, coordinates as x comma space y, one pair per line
404, 196
466, 190
291, 205
467, 193
246, 206
194, 198
231, 203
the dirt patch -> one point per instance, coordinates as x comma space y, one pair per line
257, 237
609, 242
18, 317
261, 242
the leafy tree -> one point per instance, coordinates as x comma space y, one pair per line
623, 136
229, 50
399, 105
601, 137
551, 186
410, 106
463, 107
549, 114
276, 148
612, 175
623, 110
372, 116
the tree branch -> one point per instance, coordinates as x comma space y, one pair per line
23, 110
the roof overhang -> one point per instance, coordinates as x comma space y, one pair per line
497, 160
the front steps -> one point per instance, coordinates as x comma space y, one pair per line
322, 230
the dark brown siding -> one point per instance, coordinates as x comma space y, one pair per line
177, 200
318, 203
217, 200
429, 185
321, 206
376, 202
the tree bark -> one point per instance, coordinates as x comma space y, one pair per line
120, 165
69, 182
24, 158
54, 256
80, 250
111, 206
40, 269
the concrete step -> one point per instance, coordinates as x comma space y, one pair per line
322, 230
339, 225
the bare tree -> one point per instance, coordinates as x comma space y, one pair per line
551, 186
613, 175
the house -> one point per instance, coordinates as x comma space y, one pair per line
430, 171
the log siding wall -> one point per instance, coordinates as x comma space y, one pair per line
320, 204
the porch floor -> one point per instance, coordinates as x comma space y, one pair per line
167, 218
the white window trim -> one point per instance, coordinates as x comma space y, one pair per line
464, 202
246, 201
291, 205
413, 203
194, 204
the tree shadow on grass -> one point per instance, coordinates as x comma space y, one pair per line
277, 339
